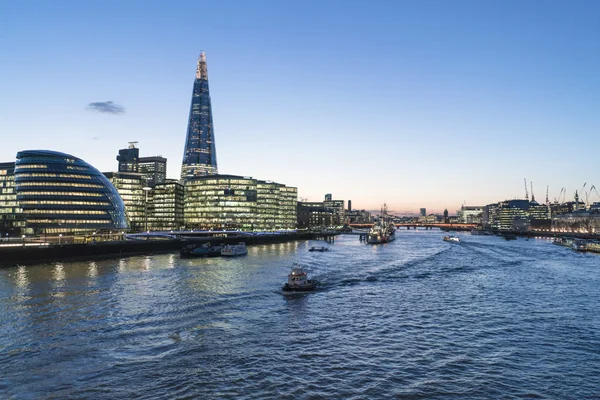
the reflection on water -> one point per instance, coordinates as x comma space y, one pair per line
21, 278
417, 317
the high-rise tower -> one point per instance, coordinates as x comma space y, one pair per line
200, 156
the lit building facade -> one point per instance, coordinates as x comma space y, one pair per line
236, 202
577, 222
166, 206
128, 158
11, 215
200, 156
469, 214
58, 193
154, 170
130, 188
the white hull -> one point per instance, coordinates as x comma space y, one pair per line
377, 239
234, 250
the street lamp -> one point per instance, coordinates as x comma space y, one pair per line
146, 189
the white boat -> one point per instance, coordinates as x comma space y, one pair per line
298, 281
383, 231
230, 250
452, 239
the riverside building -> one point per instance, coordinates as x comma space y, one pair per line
200, 156
59, 193
236, 202
11, 215
130, 187
166, 206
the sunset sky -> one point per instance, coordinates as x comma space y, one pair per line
416, 103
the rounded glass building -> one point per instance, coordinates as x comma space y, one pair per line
61, 193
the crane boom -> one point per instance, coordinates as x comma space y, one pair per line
532, 195
526, 192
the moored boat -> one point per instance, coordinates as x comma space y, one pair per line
298, 281
205, 250
593, 246
452, 239
231, 250
383, 231
580, 245
563, 241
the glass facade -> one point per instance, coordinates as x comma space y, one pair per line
130, 188
166, 206
199, 156
235, 202
61, 193
154, 169
11, 215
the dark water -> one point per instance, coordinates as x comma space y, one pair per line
416, 318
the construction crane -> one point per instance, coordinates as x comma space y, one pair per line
595, 190
547, 202
132, 144
532, 195
526, 192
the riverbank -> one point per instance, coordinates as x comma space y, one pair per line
45, 252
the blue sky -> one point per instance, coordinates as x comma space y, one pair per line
417, 103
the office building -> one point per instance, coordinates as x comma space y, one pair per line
128, 158
59, 193
200, 156
154, 170
469, 214
130, 187
236, 202
423, 212
11, 215
166, 206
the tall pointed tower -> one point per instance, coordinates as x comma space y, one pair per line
200, 156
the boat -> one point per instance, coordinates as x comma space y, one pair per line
509, 236
321, 248
452, 239
298, 281
383, 231
593, 246
205, 250
482, 232
563, 241
580, 245
232, 250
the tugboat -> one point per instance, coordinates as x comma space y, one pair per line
321, 249
452, 239
383, 231
231, 250
206, 250
298, 281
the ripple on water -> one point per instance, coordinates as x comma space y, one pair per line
416, 318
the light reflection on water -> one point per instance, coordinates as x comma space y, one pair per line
417, 317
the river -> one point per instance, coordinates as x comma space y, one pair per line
415, 318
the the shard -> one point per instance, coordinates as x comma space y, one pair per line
200, 156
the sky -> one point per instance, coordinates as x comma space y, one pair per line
429, 103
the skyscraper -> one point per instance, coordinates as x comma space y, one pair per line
200, 156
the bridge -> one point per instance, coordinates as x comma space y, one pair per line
415, 225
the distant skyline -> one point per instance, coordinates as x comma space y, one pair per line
416, 103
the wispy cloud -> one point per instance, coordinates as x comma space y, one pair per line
109, 107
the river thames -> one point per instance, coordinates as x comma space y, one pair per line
415, 318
